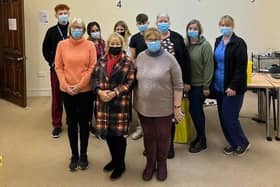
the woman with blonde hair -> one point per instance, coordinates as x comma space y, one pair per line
74, 63
113, 78
229, 84
122, 28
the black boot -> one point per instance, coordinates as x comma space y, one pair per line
119, 156
194, 141
171, 152
109, 167
117, 172
199, 146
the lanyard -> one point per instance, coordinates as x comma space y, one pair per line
60, 32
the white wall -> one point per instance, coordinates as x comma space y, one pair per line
257, 23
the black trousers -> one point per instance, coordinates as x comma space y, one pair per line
78, 111
117, 148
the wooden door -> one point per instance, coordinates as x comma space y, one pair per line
13, 52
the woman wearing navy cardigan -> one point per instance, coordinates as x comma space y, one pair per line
229, 84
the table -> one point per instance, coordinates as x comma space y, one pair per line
276, 85
261, 81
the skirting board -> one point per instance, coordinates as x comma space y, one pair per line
40, 92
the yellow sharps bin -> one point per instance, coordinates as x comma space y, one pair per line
249, 71
184, 130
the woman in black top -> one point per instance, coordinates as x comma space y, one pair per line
173, 42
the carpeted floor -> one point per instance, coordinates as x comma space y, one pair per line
31, 158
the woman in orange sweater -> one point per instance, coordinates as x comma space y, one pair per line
74, 63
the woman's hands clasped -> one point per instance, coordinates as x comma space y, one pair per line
106, 95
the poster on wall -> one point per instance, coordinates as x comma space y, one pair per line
43, 17
12, 24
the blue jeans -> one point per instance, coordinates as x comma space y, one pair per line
196, 109
229, 108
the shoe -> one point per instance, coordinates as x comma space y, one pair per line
74, 163
171, 153
109, 167
148, 173
92, 130
199, 146
83, 162
144, 153
137, 134
56, 132
161, 171
194, 141
117, 172
242, 150
229, 150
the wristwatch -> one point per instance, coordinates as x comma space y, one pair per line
179, 106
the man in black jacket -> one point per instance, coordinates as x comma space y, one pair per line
174, 43
55, 34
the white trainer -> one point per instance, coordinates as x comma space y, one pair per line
138, 133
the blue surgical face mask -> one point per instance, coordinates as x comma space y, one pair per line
142, 28
226, 31
163, 27
153, 46
77, 33
63, 19
192, 34
95, 35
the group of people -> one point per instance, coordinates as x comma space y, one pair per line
148, 71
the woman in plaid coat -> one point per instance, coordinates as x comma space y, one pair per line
113, 78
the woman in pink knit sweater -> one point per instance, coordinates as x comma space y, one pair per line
74, 63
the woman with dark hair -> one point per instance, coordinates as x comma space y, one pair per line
94, 35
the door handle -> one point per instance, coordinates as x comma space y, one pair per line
18, 59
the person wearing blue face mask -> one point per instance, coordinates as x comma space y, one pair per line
202, 66
229, 85
55, 34
158, 95
74, 63
94, 35
174, 43
137, 45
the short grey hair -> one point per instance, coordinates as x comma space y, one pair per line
163, 15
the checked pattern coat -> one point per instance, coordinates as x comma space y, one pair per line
112, 118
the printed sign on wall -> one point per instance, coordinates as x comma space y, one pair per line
12, 24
